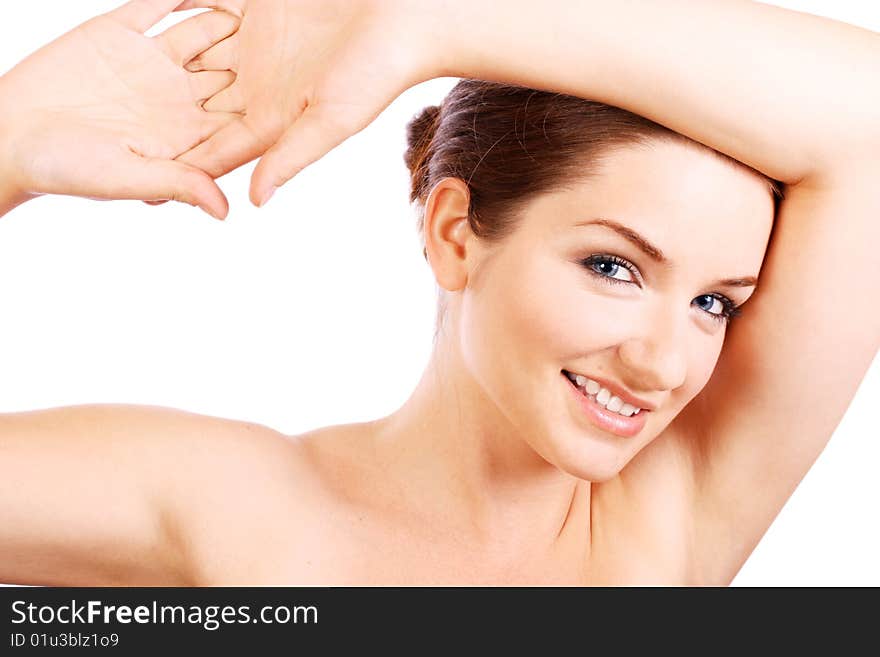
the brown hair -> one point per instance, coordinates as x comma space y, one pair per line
511, 143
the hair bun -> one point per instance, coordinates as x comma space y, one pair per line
419, 134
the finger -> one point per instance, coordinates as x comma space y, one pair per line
141, 15
210, 123
236, 144
230, 99
311, 137
209, 83
186, 39
154, 179
213, 122
222, 57
232, 6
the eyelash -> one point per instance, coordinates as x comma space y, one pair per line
730, 308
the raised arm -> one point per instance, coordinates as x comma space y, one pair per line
790, 94
103, 110
311, 74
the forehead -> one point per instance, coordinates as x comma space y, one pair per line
683, 198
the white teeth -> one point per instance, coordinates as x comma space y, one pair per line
603, 396
627, 410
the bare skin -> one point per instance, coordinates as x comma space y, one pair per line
103, 110
468, 483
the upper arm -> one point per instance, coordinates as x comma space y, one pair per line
92, 495
790, 365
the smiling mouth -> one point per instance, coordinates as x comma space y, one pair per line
603, 397
599, 413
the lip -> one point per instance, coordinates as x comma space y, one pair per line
614, 389
626, 427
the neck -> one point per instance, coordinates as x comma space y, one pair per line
465, 464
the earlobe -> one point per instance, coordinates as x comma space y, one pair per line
448, 232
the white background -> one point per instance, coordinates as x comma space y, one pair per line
315, 310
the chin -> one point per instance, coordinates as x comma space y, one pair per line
595, 463
594, 473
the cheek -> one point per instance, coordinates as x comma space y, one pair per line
702, 359
556, 313
516, 332
547, 315
503, 325
587, 319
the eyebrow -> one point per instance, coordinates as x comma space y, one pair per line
655, 253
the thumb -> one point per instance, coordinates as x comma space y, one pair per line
154, 179
310, 137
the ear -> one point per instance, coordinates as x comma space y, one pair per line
448, 233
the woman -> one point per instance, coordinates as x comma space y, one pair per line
609, 260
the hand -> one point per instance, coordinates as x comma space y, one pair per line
103, 111
310, 74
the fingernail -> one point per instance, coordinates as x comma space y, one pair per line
268, 195
211, 212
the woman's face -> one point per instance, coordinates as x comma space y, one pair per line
567, 293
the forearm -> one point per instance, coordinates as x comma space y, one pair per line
792, 95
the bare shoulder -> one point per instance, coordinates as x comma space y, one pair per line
180, 455
114, 488
219, 489
260, 507
159, 442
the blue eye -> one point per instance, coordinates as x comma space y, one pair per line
727, 310
609, 267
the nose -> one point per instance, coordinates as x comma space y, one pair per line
656, 358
